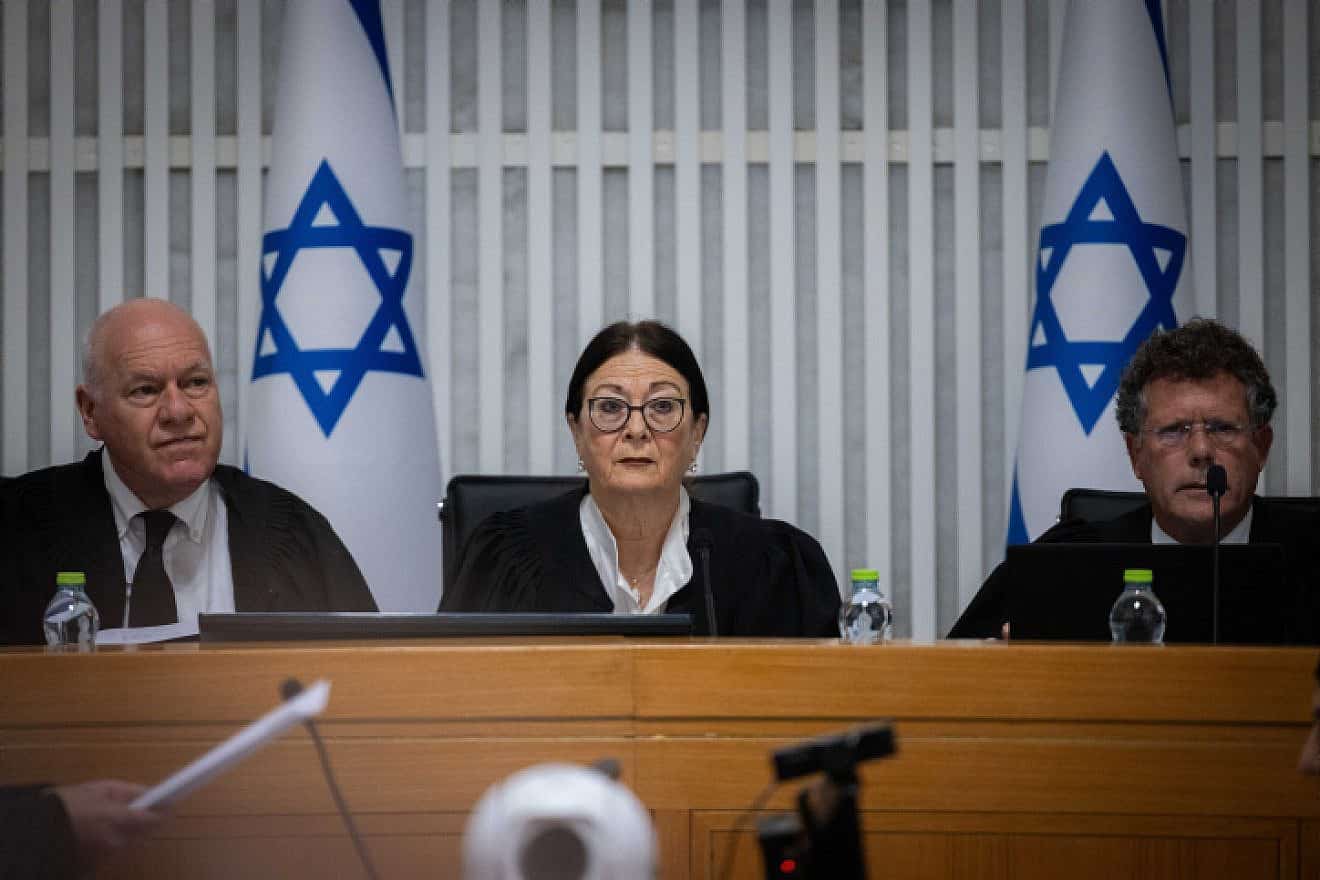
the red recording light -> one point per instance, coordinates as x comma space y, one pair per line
788, 867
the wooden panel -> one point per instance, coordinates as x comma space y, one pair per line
1013, 760
974, 680
1033, 846
411, 775
401, 845
1042, 774
489, 681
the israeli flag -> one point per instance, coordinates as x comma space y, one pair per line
340, 409
1113, 246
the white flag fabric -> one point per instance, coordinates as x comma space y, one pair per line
340, 408
1113, 246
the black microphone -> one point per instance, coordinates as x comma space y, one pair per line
702, 541
290, 688
1216, 483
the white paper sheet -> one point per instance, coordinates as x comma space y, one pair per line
145, 635
308, 704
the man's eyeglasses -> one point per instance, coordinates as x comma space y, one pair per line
1219, 433
661, 414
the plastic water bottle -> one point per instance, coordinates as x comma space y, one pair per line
867, 617
71, 621
1137, 615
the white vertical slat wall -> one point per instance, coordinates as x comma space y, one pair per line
922, 500
1251, 176
62, 251
110, 153
14, 355
772, 281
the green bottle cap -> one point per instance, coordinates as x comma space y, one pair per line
865, 574
70, 579
1138, 576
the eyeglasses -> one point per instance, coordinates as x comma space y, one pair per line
661, 414
1219, 433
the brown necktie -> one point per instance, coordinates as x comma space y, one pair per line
153, 594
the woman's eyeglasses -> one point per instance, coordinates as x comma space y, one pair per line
661, 414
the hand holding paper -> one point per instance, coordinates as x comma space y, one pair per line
308, 704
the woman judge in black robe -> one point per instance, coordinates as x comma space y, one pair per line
638, 411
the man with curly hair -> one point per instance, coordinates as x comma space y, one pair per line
1190, 398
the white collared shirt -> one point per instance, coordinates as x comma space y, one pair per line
671, 575
196, 550
1241, 533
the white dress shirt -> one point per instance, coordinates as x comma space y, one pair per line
196, 550
671, 575
1241, 533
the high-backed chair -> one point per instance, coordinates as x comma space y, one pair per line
470, 498
1094, 505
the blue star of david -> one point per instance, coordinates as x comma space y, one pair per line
1142, 240
352, 364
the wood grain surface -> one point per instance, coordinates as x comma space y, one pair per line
1013, 760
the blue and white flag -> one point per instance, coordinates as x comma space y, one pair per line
1113, 246
340, 408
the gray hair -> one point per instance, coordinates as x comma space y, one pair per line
1200, 349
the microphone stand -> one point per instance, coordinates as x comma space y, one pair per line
1216, 483
1214, 572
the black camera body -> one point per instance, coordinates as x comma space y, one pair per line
823, 839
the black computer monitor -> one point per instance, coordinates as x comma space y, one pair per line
294, 625
1065, 591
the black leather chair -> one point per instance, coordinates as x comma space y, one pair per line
470, 498
1094, 505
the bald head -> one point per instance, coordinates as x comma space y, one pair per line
109, 331
149, 395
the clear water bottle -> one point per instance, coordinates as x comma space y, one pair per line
867, 617
1137, 615
71, 621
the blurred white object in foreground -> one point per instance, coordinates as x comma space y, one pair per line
559, 822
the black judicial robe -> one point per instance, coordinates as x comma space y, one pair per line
1297, 530
285, 556
36, 838
768, 578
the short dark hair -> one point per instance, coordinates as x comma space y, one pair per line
648, 337
1200, 349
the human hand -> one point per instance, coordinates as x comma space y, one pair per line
102, 820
